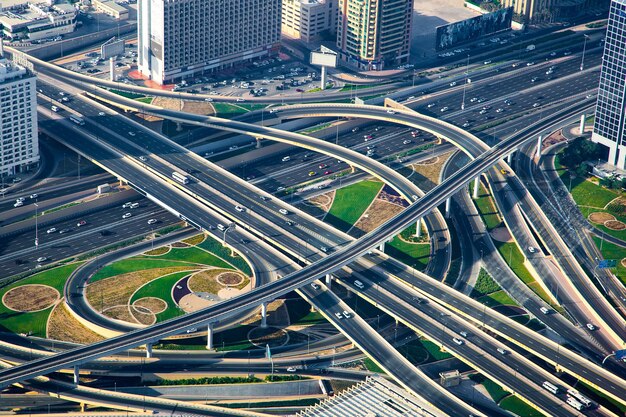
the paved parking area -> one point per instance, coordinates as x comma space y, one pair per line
427, 15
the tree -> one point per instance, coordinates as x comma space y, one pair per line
579, 151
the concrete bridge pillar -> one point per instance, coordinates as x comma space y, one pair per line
418, 227
329, 280
581, 126
258, 143
148, 350
476, 187
381, 247
76, 374
264, 315
448, 204
209, 336
509, 158
539, 146
179, 127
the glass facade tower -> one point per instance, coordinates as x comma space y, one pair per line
610, 123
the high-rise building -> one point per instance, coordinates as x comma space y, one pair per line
181, 38
307, 20
374, 34
19, 147
609, 125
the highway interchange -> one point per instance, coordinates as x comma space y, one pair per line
287, 237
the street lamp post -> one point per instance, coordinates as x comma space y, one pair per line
36, 226
465, 82
582, 61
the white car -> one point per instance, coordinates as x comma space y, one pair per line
591, 326
406, 142
315, 286
499, 110
240, 209
18, 204
192, 330
346, 314
126, 215
391, 111
358, 284
152, 221
457, 341
283, 211
33, 196
209, 99
239, 100
536, 104
143, 158
453, 83
101, 113
532, 249
42, 259
130, 133
51, 230
339, 316
444, 109
291, 369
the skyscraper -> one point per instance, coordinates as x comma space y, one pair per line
180, 38
609, 125
374, 34
19, 148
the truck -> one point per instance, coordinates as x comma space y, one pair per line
530, 48
104, 188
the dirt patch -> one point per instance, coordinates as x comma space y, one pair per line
552, 139
377, 213
271, 336
29, 298
205, 281
152, 304
623, 262
322, 201
158, 251
120, 312
229, 279
277, 315
63, 326
198, 107
615, 225
180, 245
501, 234
142, 315
431, 168
116, 291
600, 217
195, 240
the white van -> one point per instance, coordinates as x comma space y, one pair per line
286, 159
359, 284
283, 211
54, 109
221, 227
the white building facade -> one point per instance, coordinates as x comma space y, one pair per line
306, 20
19, 146
181, 38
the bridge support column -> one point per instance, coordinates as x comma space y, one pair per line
258, 143
148, 350
179, 127
418, 227
581, 126
352, 169
112, 68
539, 146
448, 204
264, 315
381, 247
476, 187
76, 374
209, 336
509, 158
323, 78
83, 407
329, 280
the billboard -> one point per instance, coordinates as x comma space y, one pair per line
324, 59
112, 48
471, 29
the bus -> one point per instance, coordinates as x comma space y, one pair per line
579, 397
183, 179
574, 403
77, 119
550, 387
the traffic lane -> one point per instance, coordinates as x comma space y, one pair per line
84, 242
424, 316
375, 347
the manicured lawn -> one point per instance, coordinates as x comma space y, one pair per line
133, 264
484, 284
497, 298
350, 202
313, 317
415, 255
227, 109
496, 392
162, 288
519, 407
434, 350
611, 251
194, 255
216, 247
34, 323
487, 208
372, 367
